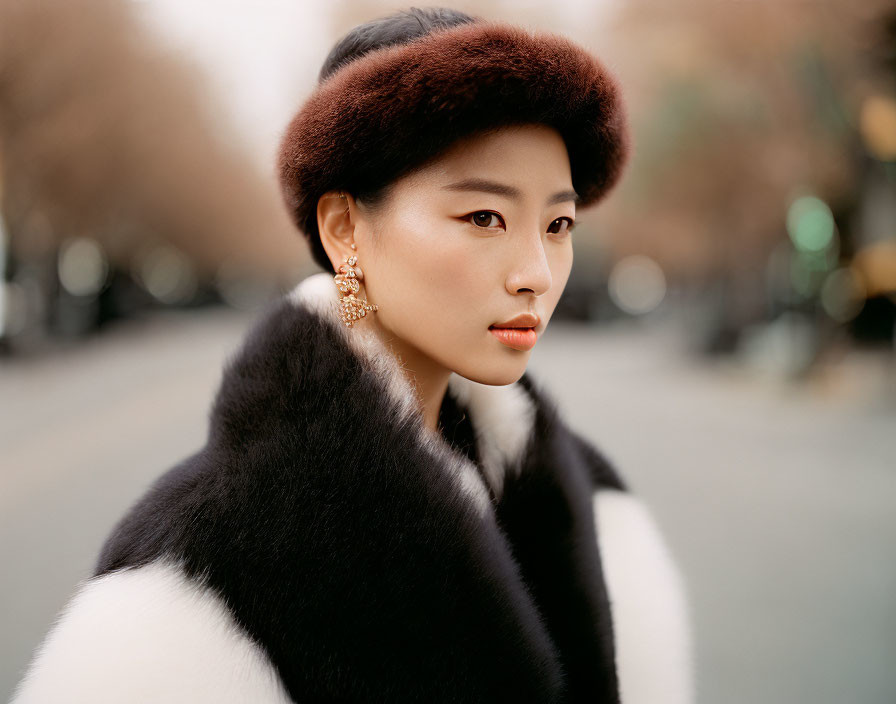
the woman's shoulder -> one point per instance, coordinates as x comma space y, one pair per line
147, 634
168, 512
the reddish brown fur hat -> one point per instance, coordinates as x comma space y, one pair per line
394, 108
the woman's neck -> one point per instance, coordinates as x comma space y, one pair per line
428, 378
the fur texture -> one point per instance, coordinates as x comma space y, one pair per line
394, 108
653, 650
145, 636
360, 555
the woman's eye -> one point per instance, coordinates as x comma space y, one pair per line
483, 218
568, 228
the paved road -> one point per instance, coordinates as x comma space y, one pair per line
779, 502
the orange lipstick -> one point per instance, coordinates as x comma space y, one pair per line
518, 338
518, 332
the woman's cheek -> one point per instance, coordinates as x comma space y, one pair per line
457, 276
450, 296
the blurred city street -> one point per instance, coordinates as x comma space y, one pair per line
779, 501
726, 335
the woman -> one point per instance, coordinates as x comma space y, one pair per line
388, 507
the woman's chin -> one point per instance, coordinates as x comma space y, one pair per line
496, 369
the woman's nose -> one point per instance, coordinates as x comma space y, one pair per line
530, 269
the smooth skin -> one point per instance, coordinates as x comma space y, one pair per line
444, 262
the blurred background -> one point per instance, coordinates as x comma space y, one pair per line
731, 308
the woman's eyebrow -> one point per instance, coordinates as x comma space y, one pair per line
501, 189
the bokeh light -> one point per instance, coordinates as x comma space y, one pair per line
843, 294
877, 123
83, 267
168, 274
637, 284
810, 224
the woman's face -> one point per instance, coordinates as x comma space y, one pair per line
471, 240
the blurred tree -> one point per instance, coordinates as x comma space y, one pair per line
106, 134
739, 108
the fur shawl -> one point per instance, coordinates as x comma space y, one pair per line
323, 545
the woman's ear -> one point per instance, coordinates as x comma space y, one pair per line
336, 225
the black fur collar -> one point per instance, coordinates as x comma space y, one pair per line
372, 558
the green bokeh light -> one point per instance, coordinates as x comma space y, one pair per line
810, 224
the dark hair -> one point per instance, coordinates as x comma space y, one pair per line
398, 28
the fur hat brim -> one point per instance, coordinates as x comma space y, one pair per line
394, 108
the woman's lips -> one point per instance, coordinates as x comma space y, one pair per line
518, 338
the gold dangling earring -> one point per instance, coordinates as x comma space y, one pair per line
350, 307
